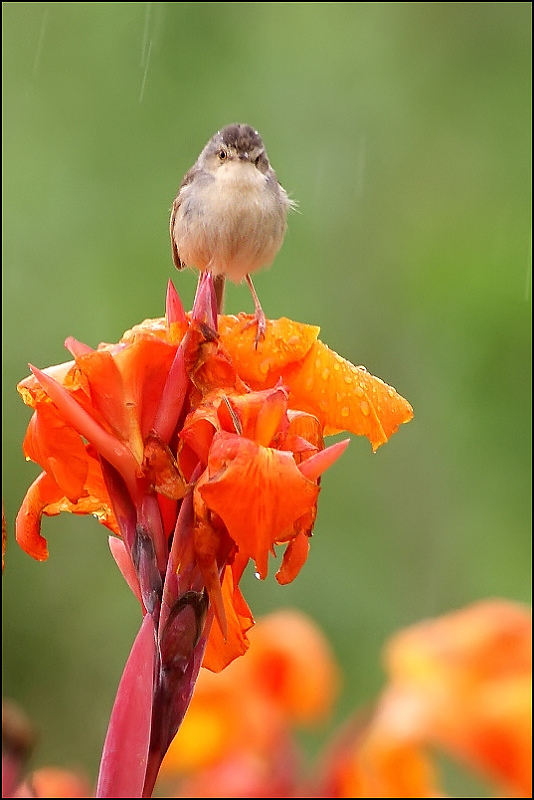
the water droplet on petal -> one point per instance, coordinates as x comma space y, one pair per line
345, 411
257, 576
325, 374
364, 408
359, 391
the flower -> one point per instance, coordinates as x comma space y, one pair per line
199, 452
461, 684
55, 782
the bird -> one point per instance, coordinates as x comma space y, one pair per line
230, 214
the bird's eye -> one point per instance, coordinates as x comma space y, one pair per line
222, 154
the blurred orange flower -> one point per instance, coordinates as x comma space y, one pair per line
55, 782
462, 684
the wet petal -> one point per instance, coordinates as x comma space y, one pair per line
258, 492
200, 425
285, 342
345, 397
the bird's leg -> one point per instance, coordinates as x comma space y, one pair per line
259, 316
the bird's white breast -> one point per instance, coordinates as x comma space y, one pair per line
232, 224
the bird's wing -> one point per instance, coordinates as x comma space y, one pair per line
175, 257
187, 179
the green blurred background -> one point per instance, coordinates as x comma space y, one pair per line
403, 130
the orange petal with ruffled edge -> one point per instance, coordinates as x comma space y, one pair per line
220, 651
45, 497
344, 397
285, 342
31, 390
258, 492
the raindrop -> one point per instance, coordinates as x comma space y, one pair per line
364, 408
40, 42
345, 411
145, 72
257, 576
325, 374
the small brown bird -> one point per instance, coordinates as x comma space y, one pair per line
229, 216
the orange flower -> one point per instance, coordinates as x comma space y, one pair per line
54, 782
465, 683
459, 683
124, 432
199, 452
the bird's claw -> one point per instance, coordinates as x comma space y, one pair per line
259, 320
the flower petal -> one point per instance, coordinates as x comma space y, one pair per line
45, 497
345, 397
294, 558
258, 492
465, 681
221, 651
285, 342
58, 449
